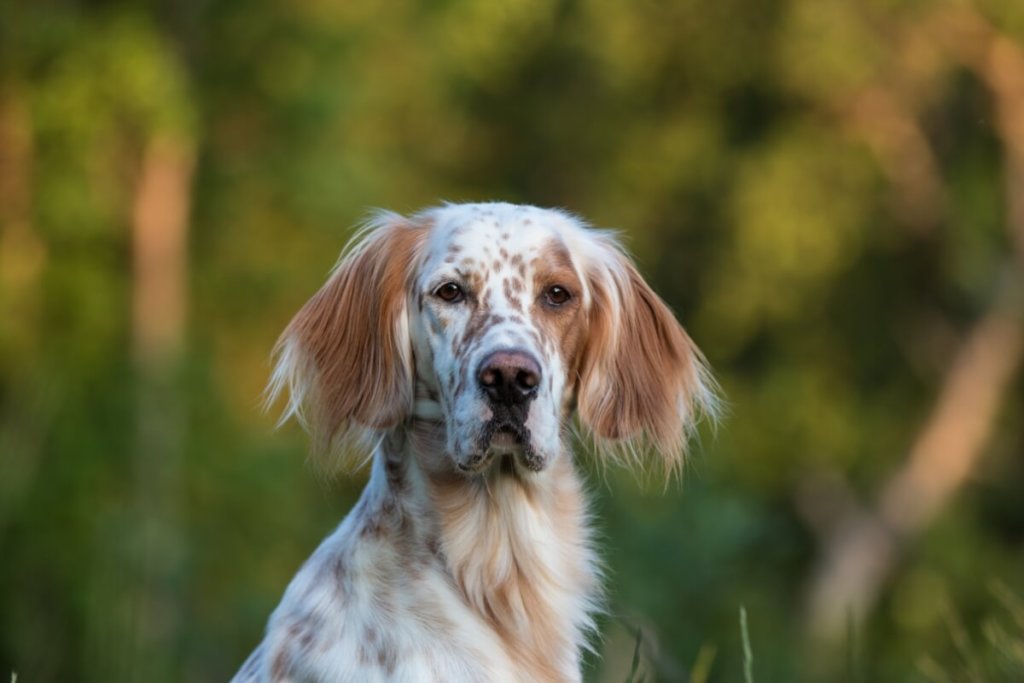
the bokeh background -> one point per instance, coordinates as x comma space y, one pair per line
829, 193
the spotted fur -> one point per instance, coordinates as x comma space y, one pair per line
469, 556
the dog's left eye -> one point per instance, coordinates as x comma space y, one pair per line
557, 295
450, 292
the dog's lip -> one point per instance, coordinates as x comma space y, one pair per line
505, 438
507, 442
476, 463
502, 441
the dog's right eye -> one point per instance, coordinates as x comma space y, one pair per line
450, 292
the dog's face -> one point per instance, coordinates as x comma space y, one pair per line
493, 322
497, 320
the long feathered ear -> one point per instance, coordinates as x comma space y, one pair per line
345, 359
643, 382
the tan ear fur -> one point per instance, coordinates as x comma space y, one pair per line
346, 357
642, 379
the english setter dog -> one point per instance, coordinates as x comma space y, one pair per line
456, 346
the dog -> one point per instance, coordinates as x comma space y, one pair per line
461, 348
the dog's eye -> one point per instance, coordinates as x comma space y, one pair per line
557, 295
450, 292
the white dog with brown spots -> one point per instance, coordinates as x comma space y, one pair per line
456, 346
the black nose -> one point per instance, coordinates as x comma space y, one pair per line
510, 377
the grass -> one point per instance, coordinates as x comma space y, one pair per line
634, 668
997, 657
748, 652
991, 651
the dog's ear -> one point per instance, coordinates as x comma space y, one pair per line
642, 380
345, 358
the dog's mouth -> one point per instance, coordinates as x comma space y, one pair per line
505, 437
505, 440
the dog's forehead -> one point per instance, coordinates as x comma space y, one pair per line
488, 232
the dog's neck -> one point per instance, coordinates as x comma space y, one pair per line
516, 545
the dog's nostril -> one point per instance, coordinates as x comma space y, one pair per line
527, 379
510, 376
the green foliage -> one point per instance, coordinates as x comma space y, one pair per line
818, 189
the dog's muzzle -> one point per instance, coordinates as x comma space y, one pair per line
509, 378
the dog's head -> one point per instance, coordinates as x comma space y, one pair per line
494, 322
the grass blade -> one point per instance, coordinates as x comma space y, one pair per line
748, 653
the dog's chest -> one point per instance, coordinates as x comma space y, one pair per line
378, 619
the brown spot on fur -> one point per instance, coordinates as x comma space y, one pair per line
479, 322
306, 639
387, 658
395, 471
434, 548
279, 666
339, 570
371, 526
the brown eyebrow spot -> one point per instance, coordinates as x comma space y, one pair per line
512, 286
560, 326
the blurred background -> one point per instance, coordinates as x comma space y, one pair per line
830, 194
